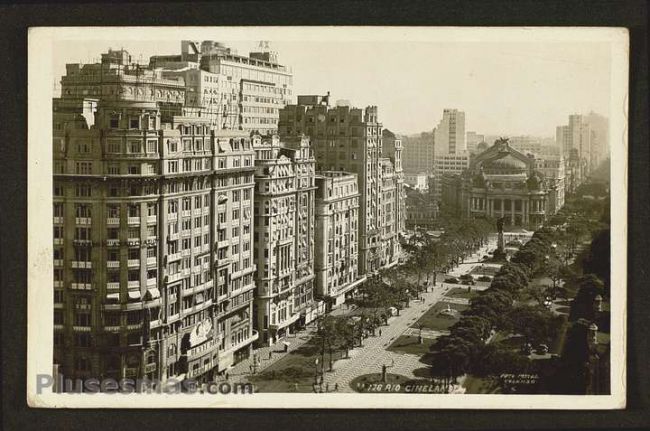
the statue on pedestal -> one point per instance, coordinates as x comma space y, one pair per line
500, 245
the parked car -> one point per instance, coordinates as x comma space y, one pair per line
542, 349
484, 278
451, 280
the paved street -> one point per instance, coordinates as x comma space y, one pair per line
373, 354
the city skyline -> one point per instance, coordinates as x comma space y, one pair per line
566, 71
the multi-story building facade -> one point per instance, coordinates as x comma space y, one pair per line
554, 171
449, 135
284, 236
417, 156
421, 210
502, 182
584, 144
345, 139
337, 226
447, 164
393, 149
234, 91
139, 189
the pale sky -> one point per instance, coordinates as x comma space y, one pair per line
504, 88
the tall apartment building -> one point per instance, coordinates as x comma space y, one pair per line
584, 143
284, 236
392, 149
234, 91
417, 156
599, 125
336, 262
143, 195
450, 149
345, 139
449, 135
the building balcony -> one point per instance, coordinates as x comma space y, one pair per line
133, 221
58, 220
186, 213
132, 285
58, 241
132, 263
286, 322
152, 282
152, 260
199, 371
81, 328
113, 286
172, 216
81, 286
112, 264
84, 221
253, 337
205, 348
174, 277
58, 262
134, 326
58, 283
172, 236
81, 264
152, 219
112, 242
113, 221
173, 257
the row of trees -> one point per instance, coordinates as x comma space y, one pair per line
506, 307
431, 256
465, 349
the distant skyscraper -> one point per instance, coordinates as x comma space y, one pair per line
450, 133
600, 137
450, 148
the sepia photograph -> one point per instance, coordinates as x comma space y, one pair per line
327, 217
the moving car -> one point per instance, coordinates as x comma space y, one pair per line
451, 280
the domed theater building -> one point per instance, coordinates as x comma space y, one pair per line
503, 182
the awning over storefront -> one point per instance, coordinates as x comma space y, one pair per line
113, 296
154, 293
134, 294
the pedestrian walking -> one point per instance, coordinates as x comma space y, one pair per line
380, 332
227, 375
270, 353
327, 387
336, 387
